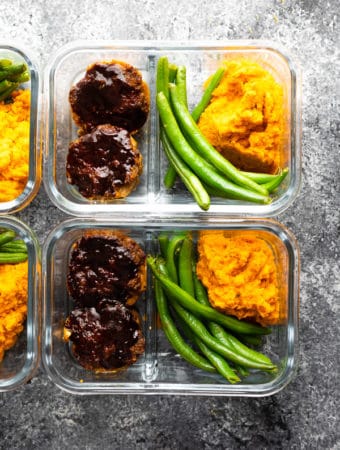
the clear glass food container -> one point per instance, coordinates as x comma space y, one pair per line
19, 55
201, 59
160, 370
21, 361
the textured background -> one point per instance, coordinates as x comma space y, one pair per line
304, 415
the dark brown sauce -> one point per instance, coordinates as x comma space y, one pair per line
111, 93
100, 162
105, 267
104, 337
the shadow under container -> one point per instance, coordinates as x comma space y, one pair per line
201, 59
161, 370
21, 361
18, 55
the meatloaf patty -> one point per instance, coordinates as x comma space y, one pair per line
105, 338
110, 92
105, 163
106, 265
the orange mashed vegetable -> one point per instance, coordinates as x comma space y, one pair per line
14, 145
245, 118
240, 274
13, 303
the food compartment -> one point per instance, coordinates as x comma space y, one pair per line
202, 63
21, 360
160, 370
15, 191
280, 346
66, 69
59, 358
200, 60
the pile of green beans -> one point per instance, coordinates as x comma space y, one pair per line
204, 337
12, 250
11, 76
203, 170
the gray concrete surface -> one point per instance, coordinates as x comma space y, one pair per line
305, 414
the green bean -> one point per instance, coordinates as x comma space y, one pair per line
18, 246
242, 370
12, 70
158, 268
180, 78
162, 78
12, 258
196, 162
163, 240
212, 85
269, 185
273, 184
268, 181
4, 85
219, 333
22, 78
216, 360
174, 337
171, 173
172, 72
199, 329
162, 85
7, 236
250, 339
170, 176
213, 192
200, 291
184, 266
234, 344
171, 266
191, 130
260, 178
181, 84
15, 242
191, 181
5, 94
4, 63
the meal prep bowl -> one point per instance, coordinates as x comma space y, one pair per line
201, 60
19, 55
160, 370
20, 361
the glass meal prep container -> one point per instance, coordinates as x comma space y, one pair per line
201, 60
21, 361
18, 55
160, 370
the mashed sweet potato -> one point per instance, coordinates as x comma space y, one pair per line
14, 145
241, 276
245, 118
13, 303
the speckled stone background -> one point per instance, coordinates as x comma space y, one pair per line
304, 415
